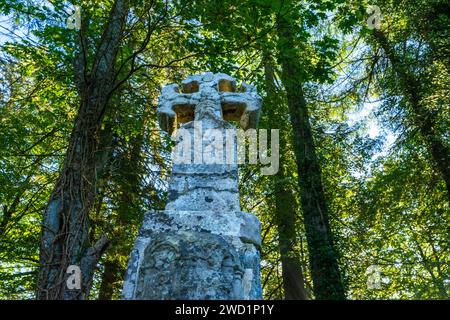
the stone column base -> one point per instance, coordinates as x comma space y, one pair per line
195, 255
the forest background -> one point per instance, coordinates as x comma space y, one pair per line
359, 90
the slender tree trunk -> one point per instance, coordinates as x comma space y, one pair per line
285, 210
127, 178
293, 281
325, 271
65, 228
110, 276
422, 118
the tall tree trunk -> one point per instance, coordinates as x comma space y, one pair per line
423, 119
127, 177
65, 229
325, 271
293, 281
285, 210
111, 274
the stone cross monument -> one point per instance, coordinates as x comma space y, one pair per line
202, 246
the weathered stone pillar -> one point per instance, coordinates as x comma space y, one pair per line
202, 246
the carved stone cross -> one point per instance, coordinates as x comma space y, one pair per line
208, 94
202, 246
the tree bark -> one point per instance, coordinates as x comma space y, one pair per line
285, 210
110, 276
422, 118
325, 271
127, 178
65, 228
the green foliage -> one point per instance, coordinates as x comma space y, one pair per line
388, 202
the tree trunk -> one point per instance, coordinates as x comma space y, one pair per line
128, 174
110, 276
422, 118
293, 281
325, 271
285, 210
65, 229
